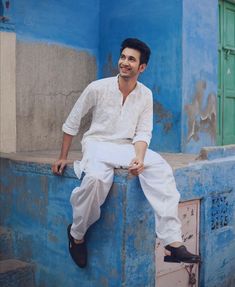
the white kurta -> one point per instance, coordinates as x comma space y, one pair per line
112, 121
108, 144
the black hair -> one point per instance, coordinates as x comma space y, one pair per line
138, 45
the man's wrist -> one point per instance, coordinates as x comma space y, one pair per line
62, 157
139, 158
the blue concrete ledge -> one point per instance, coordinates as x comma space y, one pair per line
7, 27
35, 205
216, 152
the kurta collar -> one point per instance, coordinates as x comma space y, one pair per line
135, 91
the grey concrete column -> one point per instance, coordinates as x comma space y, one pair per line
7, 92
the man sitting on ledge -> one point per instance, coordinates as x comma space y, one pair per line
119, 135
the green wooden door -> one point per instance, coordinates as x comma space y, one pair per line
226, 75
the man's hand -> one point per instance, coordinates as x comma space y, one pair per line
59, 166
136, 166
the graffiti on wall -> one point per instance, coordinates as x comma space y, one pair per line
199, 118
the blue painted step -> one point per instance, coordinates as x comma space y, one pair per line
15, 273
6, 246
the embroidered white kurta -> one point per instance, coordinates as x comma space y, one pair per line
113, 121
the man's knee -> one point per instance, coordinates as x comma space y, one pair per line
98, 177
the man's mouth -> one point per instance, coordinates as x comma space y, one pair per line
125, 69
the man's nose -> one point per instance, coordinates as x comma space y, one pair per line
125, 61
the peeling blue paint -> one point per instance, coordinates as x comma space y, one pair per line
40, 212
199, 61
35, 204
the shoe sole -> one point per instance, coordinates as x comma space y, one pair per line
171, 259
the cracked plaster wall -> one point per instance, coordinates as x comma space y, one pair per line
199, 79
200, 119
49, 79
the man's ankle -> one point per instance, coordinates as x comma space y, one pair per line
79, 241
176, 244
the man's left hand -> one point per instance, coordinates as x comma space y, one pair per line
136, 166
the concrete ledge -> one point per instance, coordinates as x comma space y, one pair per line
176, 160
35, 204
215, 152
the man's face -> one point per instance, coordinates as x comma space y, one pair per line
129, 63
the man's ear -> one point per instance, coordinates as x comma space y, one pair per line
142, 67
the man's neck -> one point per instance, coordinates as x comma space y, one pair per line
126, 85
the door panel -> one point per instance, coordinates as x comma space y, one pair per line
226, 74
229, 25
229, 74
220, 69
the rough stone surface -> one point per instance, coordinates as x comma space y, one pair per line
49, 80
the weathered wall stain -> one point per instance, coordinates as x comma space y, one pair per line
164, 116
110, 69
49, 78
200, 119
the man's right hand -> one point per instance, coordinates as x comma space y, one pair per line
59, 166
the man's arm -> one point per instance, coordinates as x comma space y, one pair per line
137, 164
142, 137
72, 124
61, 163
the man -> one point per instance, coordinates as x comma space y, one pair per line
119, 136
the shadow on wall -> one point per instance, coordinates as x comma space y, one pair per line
110, 69
200, 119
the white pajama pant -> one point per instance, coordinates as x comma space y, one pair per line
157, 182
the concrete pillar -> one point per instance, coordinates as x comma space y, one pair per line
7, 92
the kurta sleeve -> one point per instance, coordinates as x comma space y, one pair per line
85, 102
145, 123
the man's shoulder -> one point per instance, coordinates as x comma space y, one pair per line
144, 89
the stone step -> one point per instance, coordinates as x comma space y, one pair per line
6, 244
16, 273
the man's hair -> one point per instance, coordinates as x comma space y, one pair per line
138, 45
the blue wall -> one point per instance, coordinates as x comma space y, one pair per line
200, 44
73, 23
183, 39
160, 26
